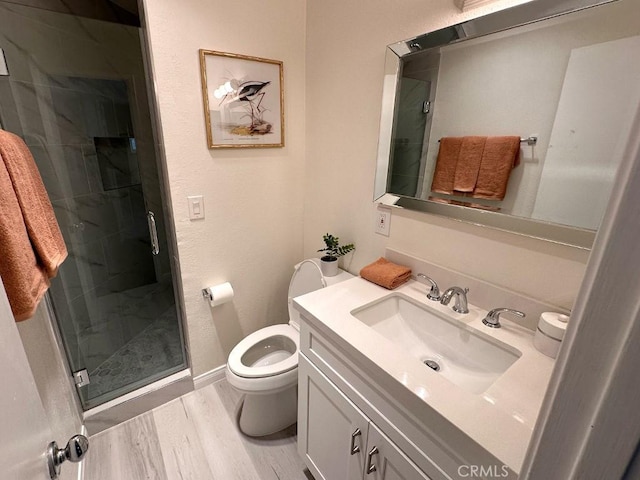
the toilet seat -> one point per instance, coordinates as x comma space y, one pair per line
275, 340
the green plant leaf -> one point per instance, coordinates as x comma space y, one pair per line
333, 248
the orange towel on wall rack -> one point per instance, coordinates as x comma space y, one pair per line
31, 244
446, 163
475, 166
501, 155
468, 165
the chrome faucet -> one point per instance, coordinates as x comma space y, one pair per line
434, 291
493, 317
461, 299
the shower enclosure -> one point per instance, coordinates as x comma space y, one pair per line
75, 91
413, 118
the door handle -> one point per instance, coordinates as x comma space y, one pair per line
370, 465
75, 451
355, 448
153, 233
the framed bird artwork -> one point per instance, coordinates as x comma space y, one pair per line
243, 100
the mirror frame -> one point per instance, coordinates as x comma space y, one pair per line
534, 11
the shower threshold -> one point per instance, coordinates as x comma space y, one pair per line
138, 401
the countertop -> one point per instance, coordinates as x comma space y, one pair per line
500, 420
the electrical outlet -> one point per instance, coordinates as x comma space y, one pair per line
383, 222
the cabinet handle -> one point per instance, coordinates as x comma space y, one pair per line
354, 448
370, 466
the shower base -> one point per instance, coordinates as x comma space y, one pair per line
155, 350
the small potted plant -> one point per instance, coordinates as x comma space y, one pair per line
332, 251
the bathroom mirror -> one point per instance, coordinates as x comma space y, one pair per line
560, 74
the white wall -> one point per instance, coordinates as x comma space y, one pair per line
252, 233
345, 62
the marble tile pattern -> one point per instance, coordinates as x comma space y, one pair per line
152, 352
104, 324
129, 337
195, 437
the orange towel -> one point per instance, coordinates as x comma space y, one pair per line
32, 245
445, 170
501, 155
385, 273
468, 164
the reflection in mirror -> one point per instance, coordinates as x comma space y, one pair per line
560, 92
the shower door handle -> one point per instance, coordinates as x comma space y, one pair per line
153, 232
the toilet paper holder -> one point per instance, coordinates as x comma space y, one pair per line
218, 294
207, 295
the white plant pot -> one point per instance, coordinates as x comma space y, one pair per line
329, 267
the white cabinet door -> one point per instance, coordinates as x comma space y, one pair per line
24, 428
385, 461
332, 432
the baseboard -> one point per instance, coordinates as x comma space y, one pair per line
207, 378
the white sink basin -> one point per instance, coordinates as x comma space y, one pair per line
446, 346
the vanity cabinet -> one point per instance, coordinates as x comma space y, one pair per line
338, 441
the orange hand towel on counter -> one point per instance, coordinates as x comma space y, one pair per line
386, 274
31, 245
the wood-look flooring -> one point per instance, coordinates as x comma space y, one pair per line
195, 437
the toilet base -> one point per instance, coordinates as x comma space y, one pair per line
266, 414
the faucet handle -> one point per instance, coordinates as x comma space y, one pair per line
434, 292
493, 317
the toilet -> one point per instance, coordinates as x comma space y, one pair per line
264, 365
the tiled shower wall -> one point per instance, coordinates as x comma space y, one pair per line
71, 80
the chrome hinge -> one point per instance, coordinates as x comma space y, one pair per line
426, 107
81, 377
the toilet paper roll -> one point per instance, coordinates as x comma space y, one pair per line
219, 294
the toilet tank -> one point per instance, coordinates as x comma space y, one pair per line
307, 277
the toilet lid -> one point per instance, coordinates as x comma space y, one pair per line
236, 365
306, 278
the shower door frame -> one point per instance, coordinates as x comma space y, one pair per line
145, 398
174, 385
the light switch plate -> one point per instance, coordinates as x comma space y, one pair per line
196, 207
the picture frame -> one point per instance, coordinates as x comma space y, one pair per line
243, 99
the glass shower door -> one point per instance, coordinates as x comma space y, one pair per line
408, 137
76, 92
